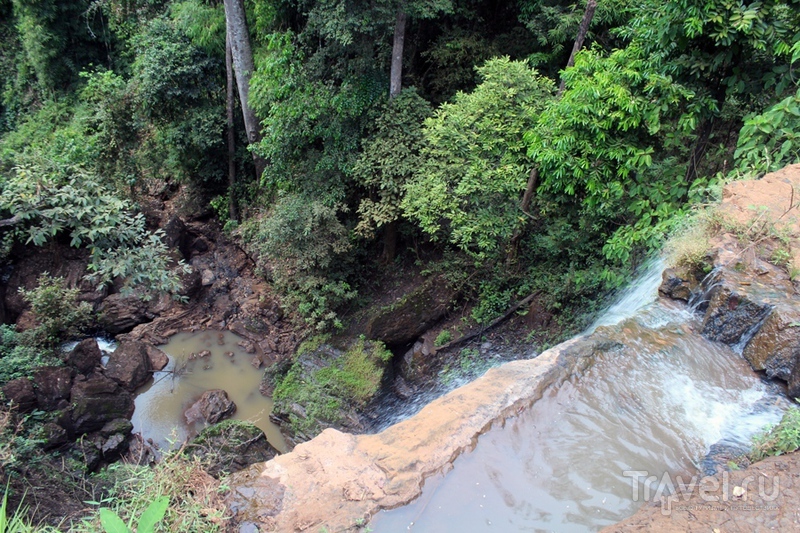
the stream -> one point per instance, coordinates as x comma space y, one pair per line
655, 398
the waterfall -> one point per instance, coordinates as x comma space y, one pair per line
655, 398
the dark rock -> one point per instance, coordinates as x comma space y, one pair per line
213, 406
794, 382
114, 445
677, 283
175, 234
416, 362
21, 394
88, 451
120, 313
200, 245
53, 435
191, 283
402, 389
123, 426
52, 384
731, 312
776, 344
97, 400
129, 365
230, 446
85, 356
410, 316
158, 359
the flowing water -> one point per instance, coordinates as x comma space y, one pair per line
655, 399
160, 406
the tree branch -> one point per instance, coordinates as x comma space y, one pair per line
16, 219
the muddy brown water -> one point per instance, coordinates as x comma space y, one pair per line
654, 400
160, 406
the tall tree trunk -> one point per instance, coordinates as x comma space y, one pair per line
525, 205
395, 86
583, 29
243, 67
533, 177
232, 211
396, 76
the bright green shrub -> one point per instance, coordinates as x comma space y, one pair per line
304, 247
57, 311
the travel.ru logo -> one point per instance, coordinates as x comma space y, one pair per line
753, 493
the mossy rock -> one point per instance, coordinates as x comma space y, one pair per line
329, 387
230, 446
413, 314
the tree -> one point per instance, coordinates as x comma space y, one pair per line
728, 53
607, 144
583, 29
242, 55
388, 160
474, 164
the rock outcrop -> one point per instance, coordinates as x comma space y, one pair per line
748, 301
404, 320
338, 479
230, 446
129, 365
211, 407
97, 400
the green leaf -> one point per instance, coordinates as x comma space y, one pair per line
152, 515
112, 523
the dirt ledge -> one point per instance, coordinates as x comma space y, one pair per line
338, 481
763, 497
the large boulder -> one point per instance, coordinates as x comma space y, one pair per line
158, 359
213, 406
19, 392
678, 283
735, 307
403, 321
230, 446
85, 356
130, 364
52, 385
327, 387
119, 313
97, 400
774, 347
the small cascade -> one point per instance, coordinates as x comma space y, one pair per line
654, 397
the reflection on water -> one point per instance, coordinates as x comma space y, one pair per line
656, 398
160, 406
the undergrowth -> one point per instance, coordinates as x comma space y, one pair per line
195, 502
349, 379
780, 439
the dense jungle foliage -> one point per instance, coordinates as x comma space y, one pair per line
344, 174
338, 140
